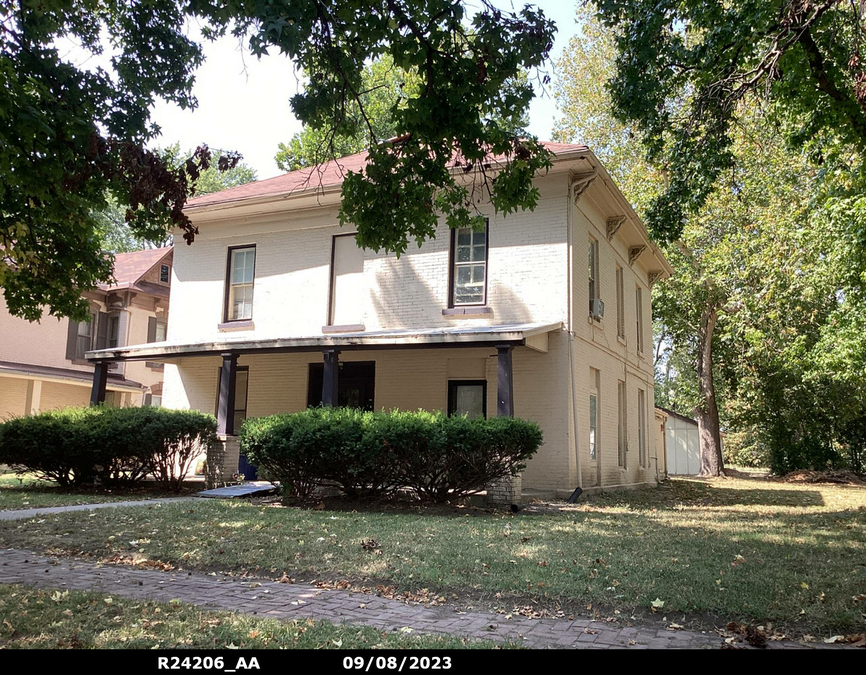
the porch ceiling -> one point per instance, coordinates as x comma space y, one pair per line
530, 334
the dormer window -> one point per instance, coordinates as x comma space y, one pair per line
468, 267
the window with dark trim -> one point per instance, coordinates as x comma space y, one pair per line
164, 273
593, 272
156, 329
240, 278
113, 330
84, 341
242, 381
467, 397
468, 275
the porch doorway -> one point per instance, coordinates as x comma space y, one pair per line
356, 384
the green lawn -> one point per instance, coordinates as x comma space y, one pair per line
729, 549
28, 492
50, 619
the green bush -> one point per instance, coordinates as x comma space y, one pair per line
370, 454
113, 445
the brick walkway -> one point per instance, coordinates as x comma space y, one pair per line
293, 601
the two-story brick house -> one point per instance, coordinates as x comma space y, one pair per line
43, 365
275, 308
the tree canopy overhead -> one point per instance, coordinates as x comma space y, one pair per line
72, 138
684, 66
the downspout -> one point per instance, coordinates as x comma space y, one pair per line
576, 187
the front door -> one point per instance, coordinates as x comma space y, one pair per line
356, 384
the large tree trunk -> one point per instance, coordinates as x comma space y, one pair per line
707, 413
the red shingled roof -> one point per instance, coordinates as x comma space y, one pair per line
130, 267
324, 175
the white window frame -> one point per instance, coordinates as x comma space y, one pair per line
233, 287
457, 264
620, 302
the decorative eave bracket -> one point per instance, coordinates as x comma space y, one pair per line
634, 253
581, 183
654, 276
613, 225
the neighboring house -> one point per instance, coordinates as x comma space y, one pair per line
275, 308
683, 443
42, 365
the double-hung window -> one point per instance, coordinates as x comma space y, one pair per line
622, 425
620, 304
469, 267
84, 339
641, 427
593, 272
638, 302
239, 284
593, 424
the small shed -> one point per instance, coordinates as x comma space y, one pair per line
682, 444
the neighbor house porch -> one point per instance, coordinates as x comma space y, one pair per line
518, 369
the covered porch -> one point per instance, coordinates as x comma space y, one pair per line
445, 369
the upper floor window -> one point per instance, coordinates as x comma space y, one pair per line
468, 266
638, 301
164, 273
620, 303
113, 330
239, 284
593, 272
84, 339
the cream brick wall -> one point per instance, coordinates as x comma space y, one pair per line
598, 346
408, 380
13, 393
293, 255
527, 282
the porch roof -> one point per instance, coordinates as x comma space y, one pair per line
532, 335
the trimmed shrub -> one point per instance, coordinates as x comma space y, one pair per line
115, 446
370, 454
317, 446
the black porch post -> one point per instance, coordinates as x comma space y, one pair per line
226, 407
330, 383
504, 383
100, 377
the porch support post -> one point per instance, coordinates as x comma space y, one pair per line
504, 382
100, 378
226, 408
330, 383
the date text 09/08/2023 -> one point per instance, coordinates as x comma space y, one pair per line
378, 663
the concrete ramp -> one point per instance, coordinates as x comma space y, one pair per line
253, 487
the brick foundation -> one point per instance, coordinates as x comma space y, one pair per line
505, 490
222, 461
